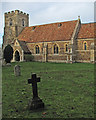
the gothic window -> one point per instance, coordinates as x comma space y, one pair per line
37, 49
85, 46
23, 22
56, 49
10, 22
66, 48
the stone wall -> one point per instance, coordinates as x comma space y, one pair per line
83, 55
13, 30
50, 56
63, 56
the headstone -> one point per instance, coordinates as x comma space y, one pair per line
8, 64
3, 62
36, 102
17, 71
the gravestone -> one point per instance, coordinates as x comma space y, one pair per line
36, 102
3, 62
17, 71
8, 64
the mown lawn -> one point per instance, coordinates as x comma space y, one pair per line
66, 89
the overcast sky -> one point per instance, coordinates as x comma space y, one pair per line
50, 12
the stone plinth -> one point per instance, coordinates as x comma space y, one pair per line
36, 103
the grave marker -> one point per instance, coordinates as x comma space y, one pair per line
36, 101
17, 71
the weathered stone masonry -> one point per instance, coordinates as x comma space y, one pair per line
13, 26
67, 42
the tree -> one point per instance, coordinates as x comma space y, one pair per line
8, 53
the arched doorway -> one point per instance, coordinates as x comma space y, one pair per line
17, 56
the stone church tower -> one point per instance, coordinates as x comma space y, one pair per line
15, 21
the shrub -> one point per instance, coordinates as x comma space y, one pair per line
28, 57
8, 53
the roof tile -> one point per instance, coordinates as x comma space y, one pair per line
48, 32
87, 31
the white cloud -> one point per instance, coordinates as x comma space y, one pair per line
63, 12
48, 1
49, 12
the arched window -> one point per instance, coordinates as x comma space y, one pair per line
56, 49
37, 49
66, 48
23, 22
10, 22
85, 46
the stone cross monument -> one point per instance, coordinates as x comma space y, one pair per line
36, 101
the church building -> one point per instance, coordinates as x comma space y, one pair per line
68, 42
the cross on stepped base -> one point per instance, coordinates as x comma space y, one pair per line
36, 102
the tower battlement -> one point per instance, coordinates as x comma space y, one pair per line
16, 12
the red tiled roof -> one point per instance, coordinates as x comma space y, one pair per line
87, 31
24, 47
48, 32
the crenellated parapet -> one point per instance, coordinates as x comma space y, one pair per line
17, 12
16, 17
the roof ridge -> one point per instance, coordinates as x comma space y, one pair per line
88, 23
52, 23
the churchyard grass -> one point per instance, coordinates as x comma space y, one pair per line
67, 90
